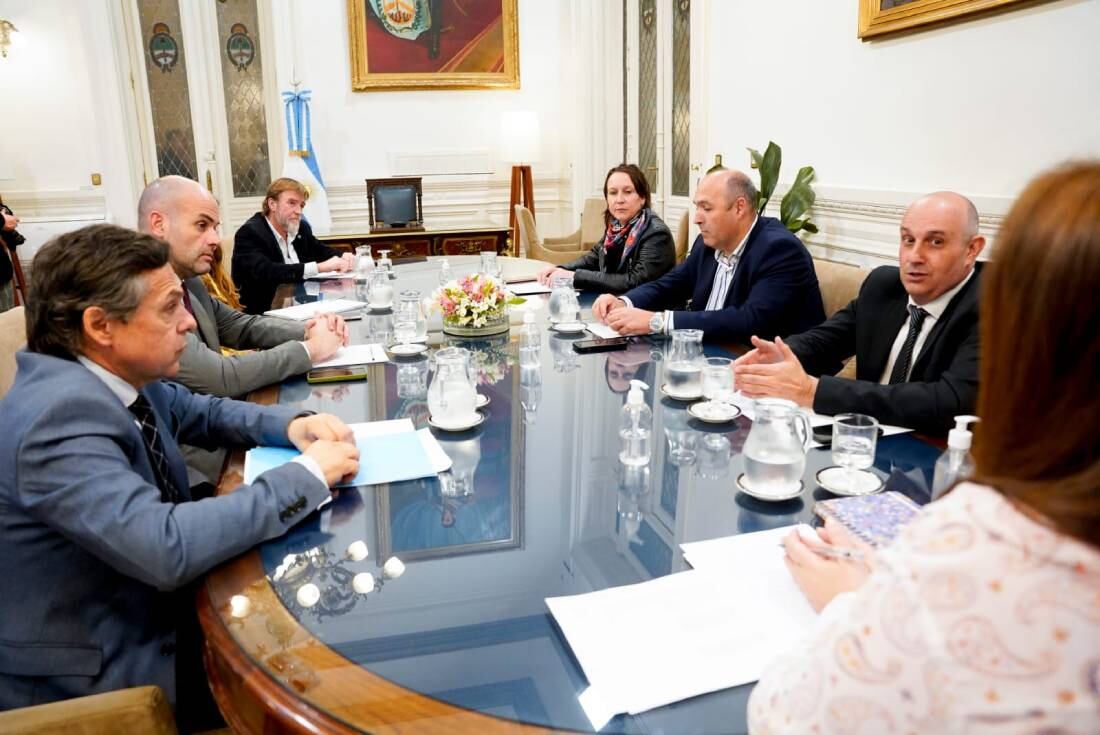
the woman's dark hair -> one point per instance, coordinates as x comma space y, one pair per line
1040, 353
640, 185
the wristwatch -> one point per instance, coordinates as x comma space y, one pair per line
657, 323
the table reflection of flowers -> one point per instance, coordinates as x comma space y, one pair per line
490, 360
474, 303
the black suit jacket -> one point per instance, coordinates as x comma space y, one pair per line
944, 380
774, 289
258, 266
651, 257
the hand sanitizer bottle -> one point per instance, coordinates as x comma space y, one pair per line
635, 428
956, 463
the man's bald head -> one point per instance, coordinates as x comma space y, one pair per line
185, 215
725, 207
939, 244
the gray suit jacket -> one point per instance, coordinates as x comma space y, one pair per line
88, 550
204, 369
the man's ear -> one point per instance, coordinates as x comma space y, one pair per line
98, 327
974, 248
158, 224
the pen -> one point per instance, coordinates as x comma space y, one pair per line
831, 553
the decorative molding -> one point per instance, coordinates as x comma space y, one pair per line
429, 163
66, 205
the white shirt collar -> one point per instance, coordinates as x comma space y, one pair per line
736, 254
123, 390
937, 306
279, 238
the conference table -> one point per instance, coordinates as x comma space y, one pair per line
536, 505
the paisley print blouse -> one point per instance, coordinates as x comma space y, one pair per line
977, 620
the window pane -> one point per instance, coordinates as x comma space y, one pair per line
242, 81
169, 98
681, 97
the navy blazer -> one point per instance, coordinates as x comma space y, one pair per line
258, 265
774, 289
90, 555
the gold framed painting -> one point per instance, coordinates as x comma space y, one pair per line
433, 44
882, 17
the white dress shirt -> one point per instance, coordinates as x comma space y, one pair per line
127, 394
290, 257
723, 278
935, 310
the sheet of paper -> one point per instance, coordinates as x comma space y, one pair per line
601, 330
647, 645
528, 288
355, 355
389, 451
302, 312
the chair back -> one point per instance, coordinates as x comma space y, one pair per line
13, 336
682, 237
592, 225
839, 283
137, 710
395, 204
532, 244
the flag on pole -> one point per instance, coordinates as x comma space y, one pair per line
301, 163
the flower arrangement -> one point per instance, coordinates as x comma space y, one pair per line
473, 302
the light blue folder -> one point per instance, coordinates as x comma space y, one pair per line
385, 458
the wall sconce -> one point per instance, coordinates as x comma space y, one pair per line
6, 29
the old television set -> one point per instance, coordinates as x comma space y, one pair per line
395, 204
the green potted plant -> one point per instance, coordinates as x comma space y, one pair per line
799, 198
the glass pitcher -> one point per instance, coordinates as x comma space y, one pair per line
380, 295
684, 370
775, 450
564, 306
452, 395
411, 309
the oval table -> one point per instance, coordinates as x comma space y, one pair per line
537, 505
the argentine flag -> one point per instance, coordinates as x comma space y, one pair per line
301, 163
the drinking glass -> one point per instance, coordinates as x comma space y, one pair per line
718, 379
684, 371
854, 440
404, 331
364, 262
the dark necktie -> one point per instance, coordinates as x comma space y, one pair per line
187, 302
900, 372
143, 412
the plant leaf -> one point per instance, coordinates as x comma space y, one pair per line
809, 227
769, 173
755, 157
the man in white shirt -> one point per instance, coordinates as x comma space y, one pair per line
748, 276
913, 329
277, 246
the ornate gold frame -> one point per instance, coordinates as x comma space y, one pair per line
873, 21
363, 80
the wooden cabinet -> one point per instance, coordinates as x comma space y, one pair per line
466, 240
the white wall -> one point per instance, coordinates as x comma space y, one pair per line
979, 106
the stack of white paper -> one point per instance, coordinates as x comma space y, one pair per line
302, 312
601, 330
355, 355
647, 645
528, 288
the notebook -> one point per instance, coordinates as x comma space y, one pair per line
876, 519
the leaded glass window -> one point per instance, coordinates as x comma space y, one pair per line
681, 97
169, 97
647, 91
242, 82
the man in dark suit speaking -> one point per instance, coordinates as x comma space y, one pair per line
913, 329
753, 276
277, 246
99, 536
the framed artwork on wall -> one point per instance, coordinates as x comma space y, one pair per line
433, 44
882, 17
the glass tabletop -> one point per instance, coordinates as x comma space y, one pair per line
536, 505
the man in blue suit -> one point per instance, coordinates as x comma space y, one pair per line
752, 277
99, 536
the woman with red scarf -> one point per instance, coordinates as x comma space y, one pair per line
637, 246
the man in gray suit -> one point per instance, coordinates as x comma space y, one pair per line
185, 215
99, 536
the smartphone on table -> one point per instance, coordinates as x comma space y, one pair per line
600, 344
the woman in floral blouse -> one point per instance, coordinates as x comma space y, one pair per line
984, 615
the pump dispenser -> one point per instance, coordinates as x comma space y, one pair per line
635, 428
956, 463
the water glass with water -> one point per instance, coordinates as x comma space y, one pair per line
564, 306
364, 262
404, 330
854, 440
380, 295
718, 379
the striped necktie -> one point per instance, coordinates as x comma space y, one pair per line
143, 412
900, 373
